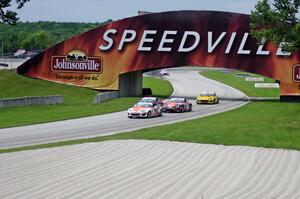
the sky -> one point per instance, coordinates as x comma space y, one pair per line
102, 10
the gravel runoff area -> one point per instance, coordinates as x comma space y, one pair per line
150, 169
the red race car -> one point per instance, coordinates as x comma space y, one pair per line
177, 104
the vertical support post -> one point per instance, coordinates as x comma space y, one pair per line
2, 47
131, 84
290, 98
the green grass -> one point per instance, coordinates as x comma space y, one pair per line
78, 102
248, 88
160, 88
259, 124
40, 114
14, 85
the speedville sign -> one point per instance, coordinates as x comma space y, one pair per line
167, 41
97, 58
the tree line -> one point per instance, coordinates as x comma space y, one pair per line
276, 20
36, 36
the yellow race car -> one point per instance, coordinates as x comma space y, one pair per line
207, 97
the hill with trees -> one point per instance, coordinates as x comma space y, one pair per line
36, 36
277, 21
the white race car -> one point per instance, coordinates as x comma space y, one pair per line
144, 110
164, 72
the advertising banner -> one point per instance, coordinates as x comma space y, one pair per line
96, 58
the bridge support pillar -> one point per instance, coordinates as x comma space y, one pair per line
131, 84
290, 98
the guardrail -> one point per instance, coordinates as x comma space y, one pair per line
4, 64
10, 63
30, 101
102, 97
266, 85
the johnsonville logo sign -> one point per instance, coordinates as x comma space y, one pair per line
296, 73
76, 61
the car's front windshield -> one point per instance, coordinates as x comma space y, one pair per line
207, 94
178, 100
143, 105
148, 100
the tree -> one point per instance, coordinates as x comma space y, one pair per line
12, 41
8, 16
38, 40
25, 34
277, 22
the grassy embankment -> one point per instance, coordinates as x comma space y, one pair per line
260, 124
78, 102
233, 79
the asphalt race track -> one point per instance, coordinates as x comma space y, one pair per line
186, 82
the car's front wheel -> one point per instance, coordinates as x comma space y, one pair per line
181, 109
190, 107
149, 115
160, 113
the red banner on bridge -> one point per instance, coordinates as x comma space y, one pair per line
96, 58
